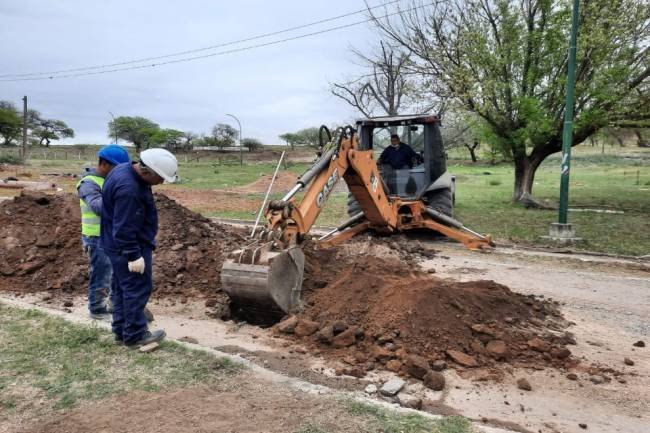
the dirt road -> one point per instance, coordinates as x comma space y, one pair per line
606, 299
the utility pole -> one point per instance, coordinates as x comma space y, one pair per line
562, 230
241, 155
24, 152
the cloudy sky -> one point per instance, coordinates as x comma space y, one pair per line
273, 89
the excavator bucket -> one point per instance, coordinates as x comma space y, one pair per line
269, 287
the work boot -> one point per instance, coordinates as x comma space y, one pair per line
101, 314
147, 338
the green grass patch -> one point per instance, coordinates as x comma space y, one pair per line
387, 421
10, 159
46, 358
311, 428
213, 175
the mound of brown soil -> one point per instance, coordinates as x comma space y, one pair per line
40, 247
373, 311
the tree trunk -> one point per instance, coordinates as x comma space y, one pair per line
525, 169
472, 150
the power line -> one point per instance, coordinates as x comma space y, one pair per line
196, 50
219, 53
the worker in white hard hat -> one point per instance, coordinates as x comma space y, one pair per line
128, 234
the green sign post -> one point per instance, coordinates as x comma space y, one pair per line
563, 230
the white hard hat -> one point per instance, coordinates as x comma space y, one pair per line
162, 161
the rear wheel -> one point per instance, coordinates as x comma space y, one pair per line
441, 200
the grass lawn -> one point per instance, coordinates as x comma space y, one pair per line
49, 366
58, 364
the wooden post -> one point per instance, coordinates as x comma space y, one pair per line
24, 153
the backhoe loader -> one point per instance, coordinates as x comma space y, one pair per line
266, 275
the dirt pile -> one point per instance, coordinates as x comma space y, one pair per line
370, 311
40, 247
190, 250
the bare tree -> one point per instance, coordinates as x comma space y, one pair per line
389, 88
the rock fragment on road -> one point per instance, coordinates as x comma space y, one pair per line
392, 387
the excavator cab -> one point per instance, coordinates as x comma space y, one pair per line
427, 180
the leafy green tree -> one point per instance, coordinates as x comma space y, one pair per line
10, 123
308, 137
137, 130
290, 138
168, 138
47, 130
304, 137
224, 135
505, 61
252, 144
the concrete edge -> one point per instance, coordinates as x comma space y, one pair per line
274, 377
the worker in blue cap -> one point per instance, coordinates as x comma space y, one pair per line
89, 189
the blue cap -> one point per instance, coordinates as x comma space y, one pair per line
114, 154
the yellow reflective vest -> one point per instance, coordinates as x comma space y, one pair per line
90, 221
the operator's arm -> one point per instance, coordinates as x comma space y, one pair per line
413, 155
91, 193
128, 215
383, 158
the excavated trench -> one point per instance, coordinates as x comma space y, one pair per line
367, 303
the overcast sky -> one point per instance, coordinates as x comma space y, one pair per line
272, 89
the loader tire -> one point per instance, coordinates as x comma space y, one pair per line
441, 200
353, 205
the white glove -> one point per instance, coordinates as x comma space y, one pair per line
137, 266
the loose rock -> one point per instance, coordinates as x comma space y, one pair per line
392, 387
149, 347
539, 345
572, 376
524, 384
345, 338
380, 353
370, 389
288, 326
305, 328
417, 366
410, 401
462, 358
325, 335
628, 361
498, 349
639, 343
394, 365
339, 327
439, 365
434, 380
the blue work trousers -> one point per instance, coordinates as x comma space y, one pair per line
130, 293
100, 274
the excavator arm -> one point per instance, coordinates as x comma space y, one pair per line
291, 220
266, 275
